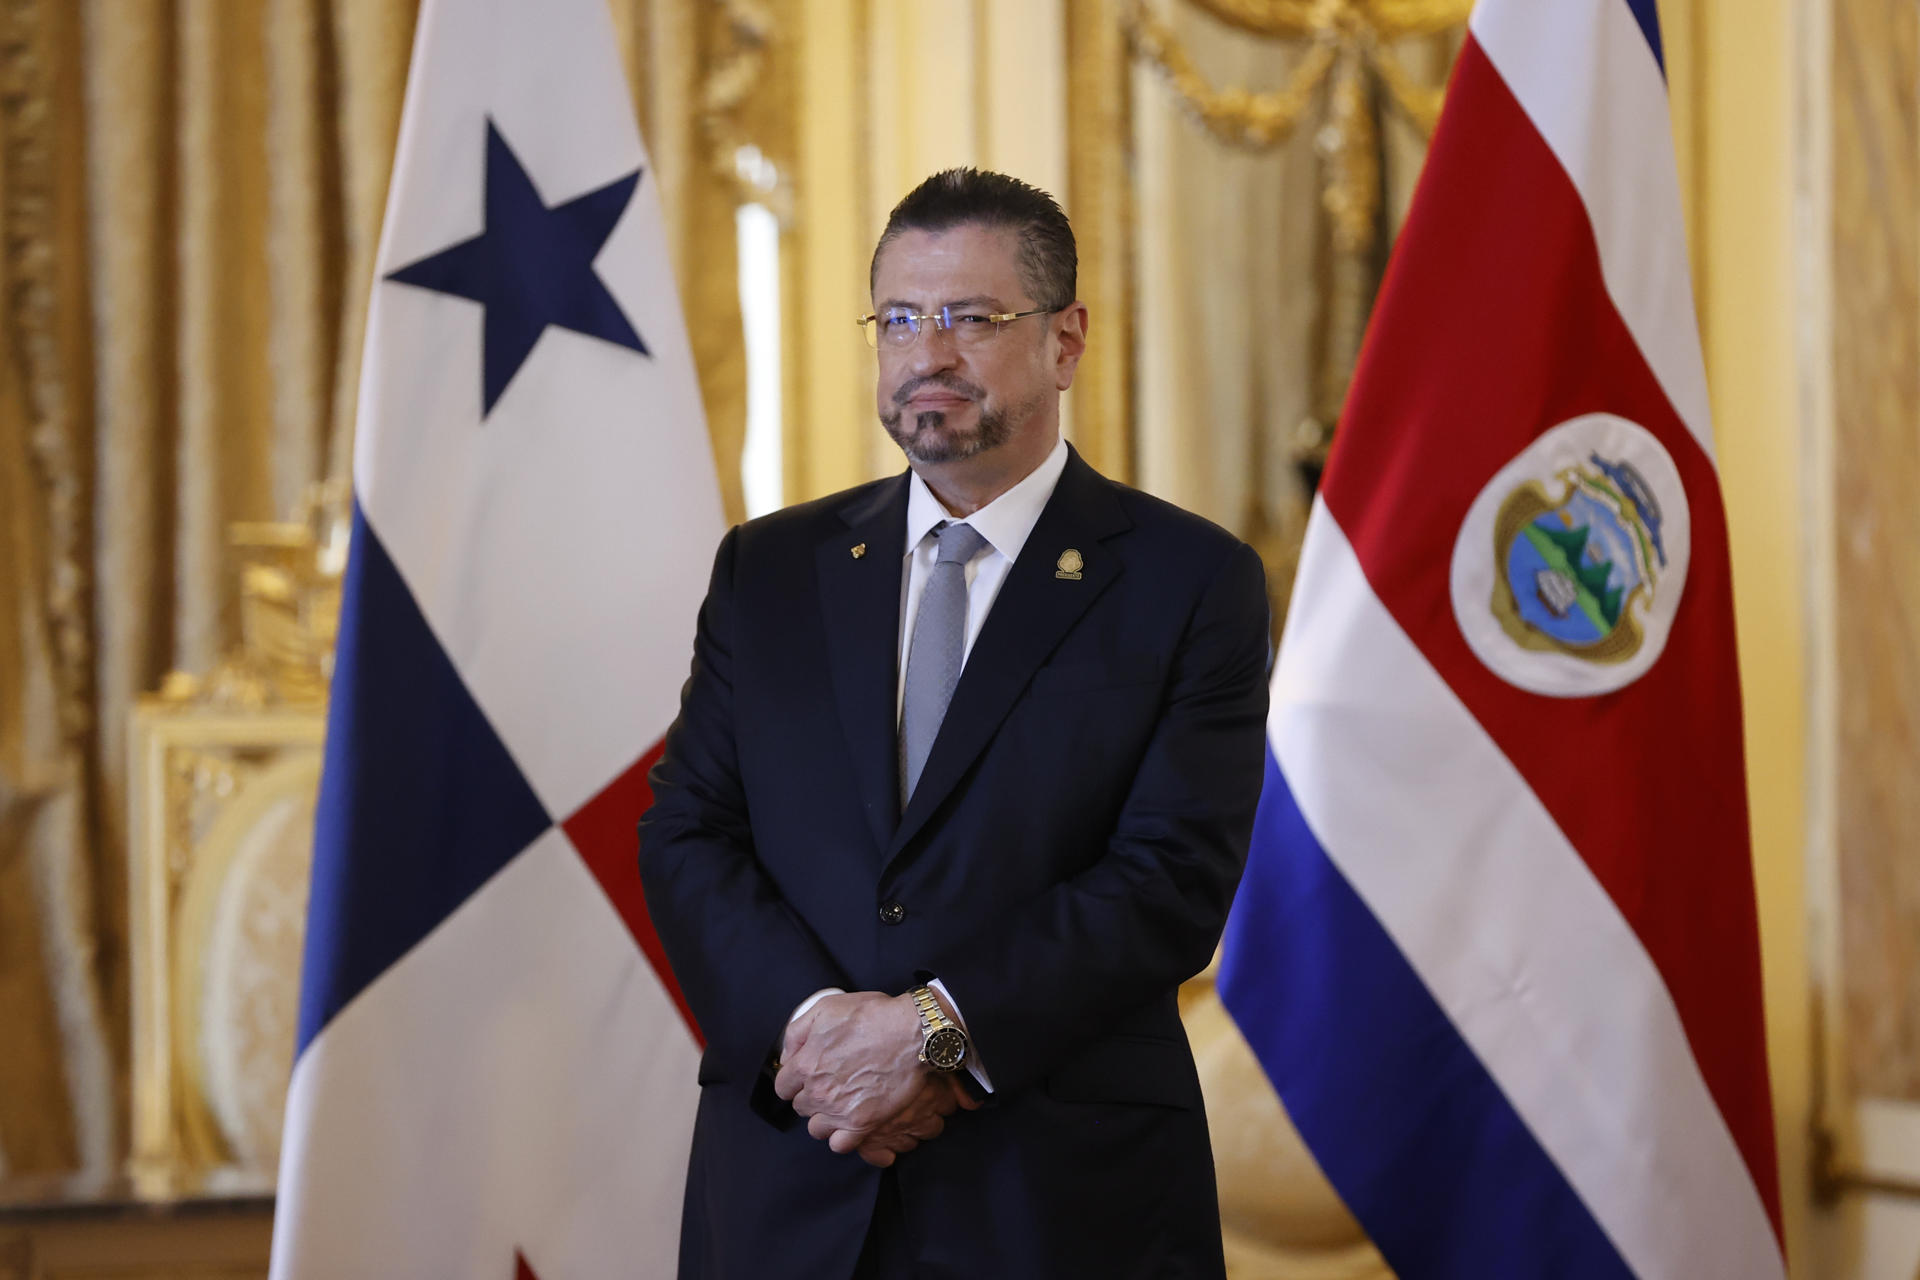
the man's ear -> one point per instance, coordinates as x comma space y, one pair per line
1071, 335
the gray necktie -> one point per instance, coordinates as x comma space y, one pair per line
938, 648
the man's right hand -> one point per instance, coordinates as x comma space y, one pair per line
923, 1119
930, 1096
851, 1063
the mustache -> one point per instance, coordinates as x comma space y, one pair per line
959, 386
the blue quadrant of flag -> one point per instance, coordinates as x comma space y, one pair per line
420, 802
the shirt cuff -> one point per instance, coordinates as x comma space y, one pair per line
978, 1072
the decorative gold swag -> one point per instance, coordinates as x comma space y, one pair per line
190, 202
1347, 40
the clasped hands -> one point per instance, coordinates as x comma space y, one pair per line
851, 1065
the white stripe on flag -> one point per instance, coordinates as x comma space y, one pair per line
544, 1101
1585, 75
1507, 927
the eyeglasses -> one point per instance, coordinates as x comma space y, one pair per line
898, 327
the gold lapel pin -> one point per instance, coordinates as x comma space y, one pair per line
1070, 565
859, 550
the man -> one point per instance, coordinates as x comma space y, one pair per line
959, 794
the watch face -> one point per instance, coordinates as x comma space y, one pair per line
946, 1048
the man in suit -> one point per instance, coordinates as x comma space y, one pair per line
959, 793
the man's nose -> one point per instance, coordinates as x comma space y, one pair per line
933, 350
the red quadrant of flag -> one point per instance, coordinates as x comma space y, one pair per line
605, 830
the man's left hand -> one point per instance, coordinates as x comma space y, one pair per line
923, 1120
851, 1063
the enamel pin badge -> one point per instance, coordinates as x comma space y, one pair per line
1070, 565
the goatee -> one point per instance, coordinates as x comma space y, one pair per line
929, 442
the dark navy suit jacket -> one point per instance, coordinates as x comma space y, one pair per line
1065, 863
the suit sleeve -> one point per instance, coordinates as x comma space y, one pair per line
742, 956
1047, 980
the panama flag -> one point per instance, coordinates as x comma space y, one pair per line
1496, 946
494, 1075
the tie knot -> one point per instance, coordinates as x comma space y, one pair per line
959, 543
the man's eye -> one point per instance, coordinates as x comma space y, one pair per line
896, 320
972, 318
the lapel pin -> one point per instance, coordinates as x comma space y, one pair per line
1070, 565
859, 550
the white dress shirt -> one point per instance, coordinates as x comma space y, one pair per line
1005, 523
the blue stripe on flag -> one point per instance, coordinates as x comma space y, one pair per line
419, 802
1399, 1111
1647, 14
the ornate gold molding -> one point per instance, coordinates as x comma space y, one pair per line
728, 83
1297, 18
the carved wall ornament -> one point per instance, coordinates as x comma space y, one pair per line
290, 580
729, 82
224, 772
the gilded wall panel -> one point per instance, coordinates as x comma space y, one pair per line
1876, 368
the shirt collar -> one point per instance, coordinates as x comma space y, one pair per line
1005, 522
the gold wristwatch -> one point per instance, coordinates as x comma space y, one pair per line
943, 1045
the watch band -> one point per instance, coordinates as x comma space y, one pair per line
932, 1016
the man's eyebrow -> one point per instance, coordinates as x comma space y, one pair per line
978, 300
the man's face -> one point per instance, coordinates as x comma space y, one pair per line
943, 398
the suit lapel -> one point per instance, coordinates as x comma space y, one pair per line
1033, 612
860, 602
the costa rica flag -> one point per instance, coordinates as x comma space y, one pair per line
1496, 946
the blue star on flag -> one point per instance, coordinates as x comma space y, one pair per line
531, 267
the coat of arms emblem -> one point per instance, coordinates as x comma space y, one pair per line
1570, 564
1577, 573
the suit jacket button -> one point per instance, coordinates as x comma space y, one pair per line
892, 912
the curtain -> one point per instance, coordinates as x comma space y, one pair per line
1250, 307
190, 203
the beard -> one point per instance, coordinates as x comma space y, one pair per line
928, 439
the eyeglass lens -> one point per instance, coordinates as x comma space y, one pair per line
899, 327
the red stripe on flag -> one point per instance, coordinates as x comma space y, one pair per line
606, 831
1494, 325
